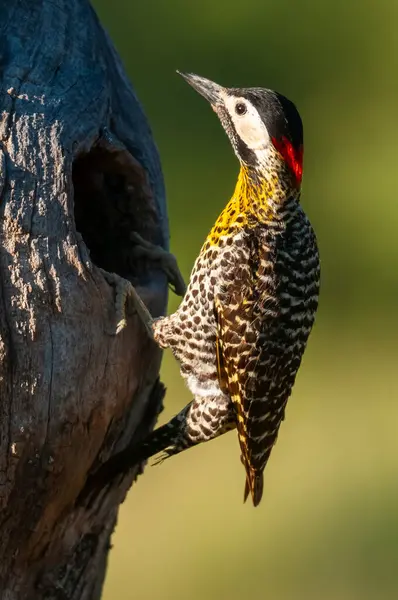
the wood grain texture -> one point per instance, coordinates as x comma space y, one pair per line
78, 171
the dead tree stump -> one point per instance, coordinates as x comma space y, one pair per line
78, 172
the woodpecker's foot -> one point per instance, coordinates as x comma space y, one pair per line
124, 290
166, 260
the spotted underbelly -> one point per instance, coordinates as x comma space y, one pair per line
193, 327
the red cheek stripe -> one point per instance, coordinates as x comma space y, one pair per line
292, 157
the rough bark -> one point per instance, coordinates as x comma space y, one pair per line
78, 172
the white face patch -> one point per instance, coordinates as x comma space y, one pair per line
247, 122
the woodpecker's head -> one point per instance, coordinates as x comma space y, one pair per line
260, 123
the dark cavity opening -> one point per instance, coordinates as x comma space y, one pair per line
111, 200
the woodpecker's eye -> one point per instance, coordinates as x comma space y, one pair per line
240, 108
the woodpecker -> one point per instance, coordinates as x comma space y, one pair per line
241, 329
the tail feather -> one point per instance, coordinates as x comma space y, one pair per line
254, 485
247, 490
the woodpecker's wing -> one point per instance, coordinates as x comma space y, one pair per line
250, 363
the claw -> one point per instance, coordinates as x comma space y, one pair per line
168, 262
124, 289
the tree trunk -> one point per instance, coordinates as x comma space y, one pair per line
78, 172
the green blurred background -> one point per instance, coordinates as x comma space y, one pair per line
327, 528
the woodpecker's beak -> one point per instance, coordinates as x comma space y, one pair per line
206, 88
